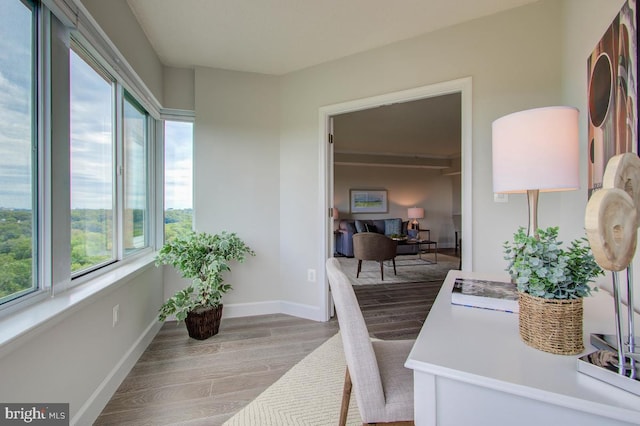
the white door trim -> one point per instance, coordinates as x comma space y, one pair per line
462, 86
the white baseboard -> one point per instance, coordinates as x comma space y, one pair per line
92, 408
272, 307
237, 310
302, 311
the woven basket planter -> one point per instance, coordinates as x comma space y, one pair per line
203, 324
551, 325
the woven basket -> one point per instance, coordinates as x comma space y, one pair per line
203, 324
551, 325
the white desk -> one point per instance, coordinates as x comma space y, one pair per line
471, 368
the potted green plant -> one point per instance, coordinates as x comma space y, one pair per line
203, 258
551, 282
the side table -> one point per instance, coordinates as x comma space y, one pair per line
428, 243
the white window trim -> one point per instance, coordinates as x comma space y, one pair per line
73, 14
41, 307
27, 322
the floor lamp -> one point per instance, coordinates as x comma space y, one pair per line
536, 150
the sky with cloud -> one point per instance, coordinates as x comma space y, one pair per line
178, 155
91, 129
15, 105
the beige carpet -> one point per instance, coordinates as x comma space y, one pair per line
410, 269
307, 395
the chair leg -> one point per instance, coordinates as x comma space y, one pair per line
346, 397
381, 271
394, 266
359, 268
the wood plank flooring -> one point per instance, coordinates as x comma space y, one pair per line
179, 380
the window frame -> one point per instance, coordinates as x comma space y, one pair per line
37, 291
77, 48
56, 28
122, 168
180, 116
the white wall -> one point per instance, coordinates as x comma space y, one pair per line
406, 187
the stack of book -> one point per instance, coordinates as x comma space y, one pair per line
495, 295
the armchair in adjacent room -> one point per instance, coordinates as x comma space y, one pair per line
374, 246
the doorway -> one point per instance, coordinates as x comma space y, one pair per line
462, 87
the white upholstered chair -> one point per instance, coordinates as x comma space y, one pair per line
382, 385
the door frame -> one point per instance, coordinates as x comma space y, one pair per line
462, 86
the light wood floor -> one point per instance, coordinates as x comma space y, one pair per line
179, 380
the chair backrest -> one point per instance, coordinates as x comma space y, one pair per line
373, 246
358, 350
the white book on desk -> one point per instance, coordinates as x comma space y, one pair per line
495, 295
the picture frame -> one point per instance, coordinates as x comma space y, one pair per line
368, 201
612, 93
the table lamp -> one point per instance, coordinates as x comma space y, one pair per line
536, 150
415, 213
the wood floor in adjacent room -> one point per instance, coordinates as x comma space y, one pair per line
179, 380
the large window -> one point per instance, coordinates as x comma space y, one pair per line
18, 191
77, 147
178, 178
92, 166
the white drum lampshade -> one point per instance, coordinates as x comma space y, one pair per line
536, 150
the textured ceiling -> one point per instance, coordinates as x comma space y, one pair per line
281, 36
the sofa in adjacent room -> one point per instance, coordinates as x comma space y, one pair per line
392, 226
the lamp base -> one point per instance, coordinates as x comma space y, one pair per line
532, 201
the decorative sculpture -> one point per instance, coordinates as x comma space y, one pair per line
612, 217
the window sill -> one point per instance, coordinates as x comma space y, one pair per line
33, 319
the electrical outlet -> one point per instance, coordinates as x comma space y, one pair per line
116, 315
311, 275
500, 198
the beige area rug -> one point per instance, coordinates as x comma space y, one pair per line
410, 269
309, 394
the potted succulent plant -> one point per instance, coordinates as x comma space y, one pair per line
203, 258
551, 281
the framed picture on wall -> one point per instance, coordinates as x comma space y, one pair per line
612, 76
368, 201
